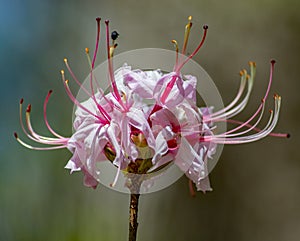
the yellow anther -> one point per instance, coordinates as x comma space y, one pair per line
251, 63
65, 60
277, 97
62, 72
175, 43
87, 50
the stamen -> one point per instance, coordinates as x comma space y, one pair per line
95, 55
237, 109
76, 102
38, 138
97, 42
187, 34
178, 68
252, 64
93, 65
28, 108
38, 148
45, 115
28, 122
274, 115
282, 135
110, 67
177, 50
205, 27
245, 124
260, 109
243, 74
100, 108
87, 53
271, 78
22, 124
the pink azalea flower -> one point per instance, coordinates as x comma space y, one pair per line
119, 126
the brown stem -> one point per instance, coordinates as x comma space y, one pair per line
133, 215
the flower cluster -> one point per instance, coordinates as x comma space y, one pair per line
141, 138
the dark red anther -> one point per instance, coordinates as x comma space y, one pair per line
50, 92
28, 108
205, 27
98, 19
273, 61
21, 101
106, 21
16, 135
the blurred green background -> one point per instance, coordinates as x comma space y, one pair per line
256, 186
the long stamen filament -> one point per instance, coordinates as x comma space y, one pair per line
177, 50
237, 109
94, 58
38, 148
187, 34
264, 132
45, 116
37, 137
205, 27
75, 101
100, 108
97, 42
243, 75
284, 135
179, 67
227, 134
270, 79
87, 53
110, 68
22, 123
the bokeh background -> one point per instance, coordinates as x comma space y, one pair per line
256, 186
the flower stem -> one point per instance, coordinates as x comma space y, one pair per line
133, 216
